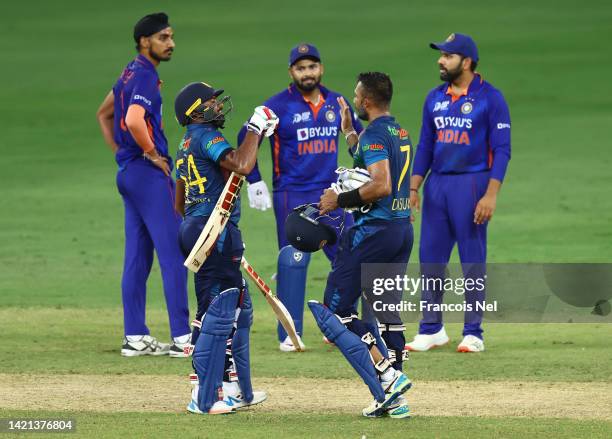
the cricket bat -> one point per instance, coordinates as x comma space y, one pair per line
279, 309
216, 223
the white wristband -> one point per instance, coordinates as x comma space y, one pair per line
349, 134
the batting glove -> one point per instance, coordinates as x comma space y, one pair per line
263, 121
259, 197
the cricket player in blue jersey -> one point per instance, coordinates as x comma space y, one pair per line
225, 313
382, 234
131, 122
463, 151
304, 160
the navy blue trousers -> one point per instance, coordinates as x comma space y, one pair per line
151, 224
449, 201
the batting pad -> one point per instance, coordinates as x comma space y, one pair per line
209, 351
354, 350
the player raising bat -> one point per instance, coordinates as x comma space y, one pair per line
224, 313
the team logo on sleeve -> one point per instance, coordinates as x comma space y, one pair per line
214, 141
330, 116
466, 108
373, 147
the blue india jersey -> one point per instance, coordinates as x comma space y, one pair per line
463, 134
305, 145
139, 84
384, 139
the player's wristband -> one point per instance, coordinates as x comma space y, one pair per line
349, 134
350, 199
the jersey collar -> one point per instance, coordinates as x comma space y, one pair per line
474, 86
145, 63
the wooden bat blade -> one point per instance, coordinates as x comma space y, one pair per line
282, 314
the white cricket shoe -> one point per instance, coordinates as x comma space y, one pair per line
399, 409
394, 388
425, 342
232, 396
218, 408
137, 345
287, 345
471, 343
181, 347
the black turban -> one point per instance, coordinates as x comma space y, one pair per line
150, 24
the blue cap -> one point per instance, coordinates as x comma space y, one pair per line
460, 44
303, 50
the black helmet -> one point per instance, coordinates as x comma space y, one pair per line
189, 103
306, 232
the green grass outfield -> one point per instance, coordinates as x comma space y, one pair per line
61, 223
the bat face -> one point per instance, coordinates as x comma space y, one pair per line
215, 224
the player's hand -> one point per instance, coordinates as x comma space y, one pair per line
485, 208
328, 201
259, 196
263, 121
415, 203
345, 113
159, 161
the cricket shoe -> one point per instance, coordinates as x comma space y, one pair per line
287, 345
137, 345
232, 396
394, 388
218, 408
425, 342
181, 347
471, 343
399, 409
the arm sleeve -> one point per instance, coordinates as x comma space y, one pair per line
424, 152
373, 148
145, 91
215, 147
499, 135
255, 175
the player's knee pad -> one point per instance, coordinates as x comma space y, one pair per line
209, 352
393, 336
240, 346
352, 346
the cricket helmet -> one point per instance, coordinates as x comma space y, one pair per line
306, 232
189, 104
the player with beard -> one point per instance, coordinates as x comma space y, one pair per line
464, 149
304, 159
131, 122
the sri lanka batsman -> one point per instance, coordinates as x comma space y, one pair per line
225, 313
463, 151
382, 234
304, 158
131, 123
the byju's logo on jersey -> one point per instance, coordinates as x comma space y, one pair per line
301, 117
453, 122
309, 133
441, 106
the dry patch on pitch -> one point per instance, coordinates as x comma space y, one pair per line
163, 393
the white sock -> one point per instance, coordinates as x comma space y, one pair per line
182, 339
134, 337
387, 375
